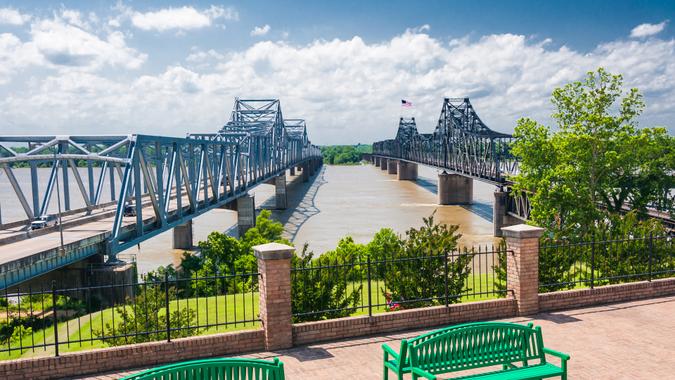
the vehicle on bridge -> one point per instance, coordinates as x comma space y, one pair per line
44, 222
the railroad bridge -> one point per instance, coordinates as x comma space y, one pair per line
463, 148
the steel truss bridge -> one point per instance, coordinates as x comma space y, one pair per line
462, 143
162, 182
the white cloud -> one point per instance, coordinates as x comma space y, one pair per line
348, 90
10, 16
646, 30
65, 43
183, 18
260, 30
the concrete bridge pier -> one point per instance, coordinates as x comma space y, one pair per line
376, 161
245, 213
292, 170
311, 167
407, 171
454, 189
280, 192
305, 172
500, 217
182, 236
392, 166
383, 163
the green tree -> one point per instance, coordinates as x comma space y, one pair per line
223, 254
597, 161
322, 294
420, 274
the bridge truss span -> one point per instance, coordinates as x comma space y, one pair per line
146, 184
461, 143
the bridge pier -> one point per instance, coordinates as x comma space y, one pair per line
292, 171
280, 192
246, 213
376, 161
406, 171
383, 163
305, 172
311, 167
182, 236
500, 217
392, 166
454, 189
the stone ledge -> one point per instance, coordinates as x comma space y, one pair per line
522, 231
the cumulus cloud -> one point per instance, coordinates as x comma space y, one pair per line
646, 30
183, 18
260, 30
65, 42
348, 90
10, 16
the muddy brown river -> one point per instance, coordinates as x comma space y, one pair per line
337, 202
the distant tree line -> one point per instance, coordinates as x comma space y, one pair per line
344, 154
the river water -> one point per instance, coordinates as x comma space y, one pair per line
339, 201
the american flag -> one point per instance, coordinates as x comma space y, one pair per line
406, 104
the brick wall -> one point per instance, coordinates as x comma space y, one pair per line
311, 332
132, 356
606, 294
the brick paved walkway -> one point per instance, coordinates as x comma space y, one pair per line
634, 340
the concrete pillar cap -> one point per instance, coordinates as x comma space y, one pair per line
522, 231
273, 251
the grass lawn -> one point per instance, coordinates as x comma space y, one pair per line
225, 310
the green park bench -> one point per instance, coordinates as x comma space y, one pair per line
518, 349
216, 369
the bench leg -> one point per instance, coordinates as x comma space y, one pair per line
386, 373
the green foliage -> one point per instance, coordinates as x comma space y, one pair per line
143, 319
344, 154
223, 254
580, 176
408, 282
324, 294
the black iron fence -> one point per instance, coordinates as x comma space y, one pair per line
587, 264
47, 321
326, 287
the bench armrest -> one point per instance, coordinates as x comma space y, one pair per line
556, 353
423, 373
390, 351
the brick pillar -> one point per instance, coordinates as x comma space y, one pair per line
274, 265
522, 266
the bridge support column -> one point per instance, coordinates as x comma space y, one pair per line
407, 171
182, 236
245, 213
280, 192
392, 166
292, 171
311, 167
500, 217
454, 189
305, 173
383, 163
376, 161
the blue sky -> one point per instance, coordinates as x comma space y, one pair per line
174, 67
